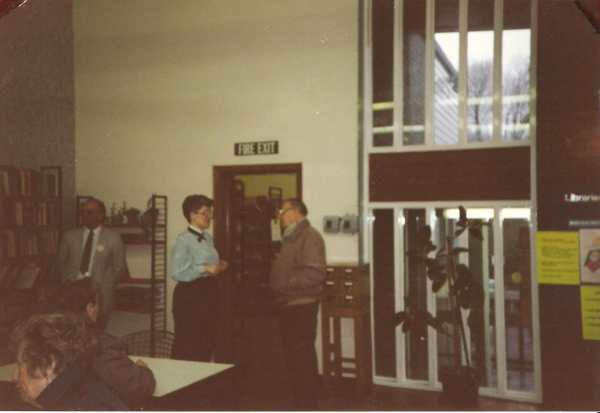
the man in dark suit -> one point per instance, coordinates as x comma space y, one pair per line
94, 251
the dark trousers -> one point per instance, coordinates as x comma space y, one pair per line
298, 329
195, 306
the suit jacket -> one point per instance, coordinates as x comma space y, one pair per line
107, 267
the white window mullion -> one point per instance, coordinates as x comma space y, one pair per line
499, 299
462, 70
400, 283
535, 327
431, 333
398, 84
429, 70
497, 71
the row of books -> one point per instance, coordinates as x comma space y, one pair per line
24, 277
28, 182
14, 244
29, 213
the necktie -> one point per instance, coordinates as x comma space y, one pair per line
198, 234
87, 254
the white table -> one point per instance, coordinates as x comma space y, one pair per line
170, 375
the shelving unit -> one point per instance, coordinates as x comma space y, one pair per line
30, 218
148, 295
255, 249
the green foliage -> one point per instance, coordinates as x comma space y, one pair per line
464, 290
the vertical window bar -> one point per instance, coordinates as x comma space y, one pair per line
462, 73
485, 231
497, 72
399, 285
499, 298
368, 81
398, 74
431, 333
429, 67
533, 139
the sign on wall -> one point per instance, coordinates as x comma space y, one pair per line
256, 148
590, 312
558, 258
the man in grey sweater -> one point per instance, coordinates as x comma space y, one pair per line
297, 278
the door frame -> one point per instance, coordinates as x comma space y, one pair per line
223, 178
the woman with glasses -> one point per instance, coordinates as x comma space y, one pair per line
194, 265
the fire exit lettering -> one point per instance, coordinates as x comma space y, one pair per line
257, 148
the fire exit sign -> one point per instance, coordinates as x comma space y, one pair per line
257, 148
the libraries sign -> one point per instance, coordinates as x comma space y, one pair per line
257, 148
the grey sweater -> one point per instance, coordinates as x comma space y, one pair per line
299, 271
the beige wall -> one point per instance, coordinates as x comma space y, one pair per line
164, 88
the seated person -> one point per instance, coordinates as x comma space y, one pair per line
133, 382
53, 365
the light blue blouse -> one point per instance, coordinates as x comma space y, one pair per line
189, 256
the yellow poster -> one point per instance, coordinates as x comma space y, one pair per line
590, 312
558, 258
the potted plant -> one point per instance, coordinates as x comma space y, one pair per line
460, 382
132, 215
116, 217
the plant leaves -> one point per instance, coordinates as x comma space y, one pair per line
436, 323
462, 297
439, 282
407, 325
476, 232
400, 317
462, 221
464, 275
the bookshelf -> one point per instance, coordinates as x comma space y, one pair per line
30, 231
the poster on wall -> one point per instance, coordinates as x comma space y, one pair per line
590, 312
558, 257
589, 255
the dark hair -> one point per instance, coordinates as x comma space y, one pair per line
74, 296
194, 203
298, 204
61, 338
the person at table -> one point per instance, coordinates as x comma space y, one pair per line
94, 251
133, 382
297, 278
194, 265
53, 366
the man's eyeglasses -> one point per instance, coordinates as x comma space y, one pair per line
283, 211
205, 213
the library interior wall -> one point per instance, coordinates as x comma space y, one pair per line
568, 150
36, 92
163, 90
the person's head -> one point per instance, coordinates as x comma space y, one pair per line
291, 211
197, 209
47, 345
93, 212
80, 296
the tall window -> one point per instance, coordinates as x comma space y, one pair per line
450, 73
